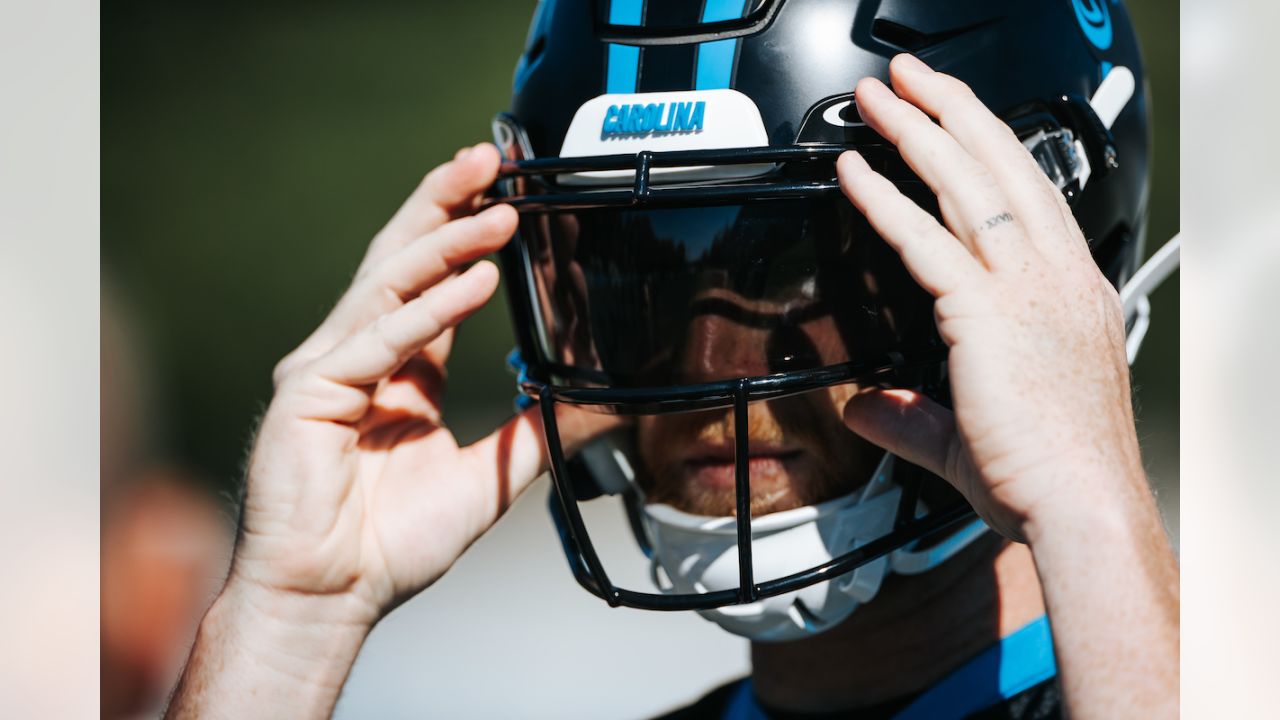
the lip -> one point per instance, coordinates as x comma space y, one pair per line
768, 466
725, 452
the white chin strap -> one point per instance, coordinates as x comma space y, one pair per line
699, 554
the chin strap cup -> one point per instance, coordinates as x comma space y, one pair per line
699, 554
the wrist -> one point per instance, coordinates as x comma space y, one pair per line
323, 628
1090, 507
278, 653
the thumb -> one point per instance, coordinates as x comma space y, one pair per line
514, 455
905, 423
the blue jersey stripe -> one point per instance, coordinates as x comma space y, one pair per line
624, 60
714, 70
1017, 663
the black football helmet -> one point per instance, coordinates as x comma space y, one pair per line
673, 166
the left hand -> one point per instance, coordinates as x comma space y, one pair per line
1039, 376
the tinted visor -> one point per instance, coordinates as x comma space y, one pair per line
654, 297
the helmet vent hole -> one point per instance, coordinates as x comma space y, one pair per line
912, 40
535, 50
899, 36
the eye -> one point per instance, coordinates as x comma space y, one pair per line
789, 348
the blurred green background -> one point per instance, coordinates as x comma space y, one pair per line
250, 150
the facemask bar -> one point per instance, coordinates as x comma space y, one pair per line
645, 192
1133, 296
1065, 135
1067, 158
585, 562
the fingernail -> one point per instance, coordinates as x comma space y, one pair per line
913, 64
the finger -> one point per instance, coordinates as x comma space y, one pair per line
972, 204
450, 190
988, 139
935, 258
404, 275
385, 344
905, 423
433, 256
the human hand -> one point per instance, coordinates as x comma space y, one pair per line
1042, 424
358, 494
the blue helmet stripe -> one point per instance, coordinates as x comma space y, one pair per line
717, 10
623, 72
624, 68
714, 70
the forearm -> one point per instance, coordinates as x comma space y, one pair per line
1111, 589
259, 656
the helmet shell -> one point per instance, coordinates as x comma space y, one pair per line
792, 56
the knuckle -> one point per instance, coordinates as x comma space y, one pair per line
283, 369
923, 225
293, 386
382, 278
291, 365
957, 97
985, 183
915, 136
955, 306
956, 86
1112, 304
384, 335
430, 176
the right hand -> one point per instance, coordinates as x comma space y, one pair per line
358, 494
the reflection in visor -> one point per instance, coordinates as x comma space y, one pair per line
674, 296
727, 338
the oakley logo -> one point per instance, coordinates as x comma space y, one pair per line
840, 113
653, 118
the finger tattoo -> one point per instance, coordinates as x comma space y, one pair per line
994, 221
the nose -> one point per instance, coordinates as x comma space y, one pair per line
721, 349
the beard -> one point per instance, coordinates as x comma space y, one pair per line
801, 454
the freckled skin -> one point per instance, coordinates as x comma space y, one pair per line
1041, 440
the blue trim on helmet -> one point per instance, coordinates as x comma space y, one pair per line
623, 72
715, 64
714, 69
1095, 21
624, 69
719, 10
1014, 665
517, 364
